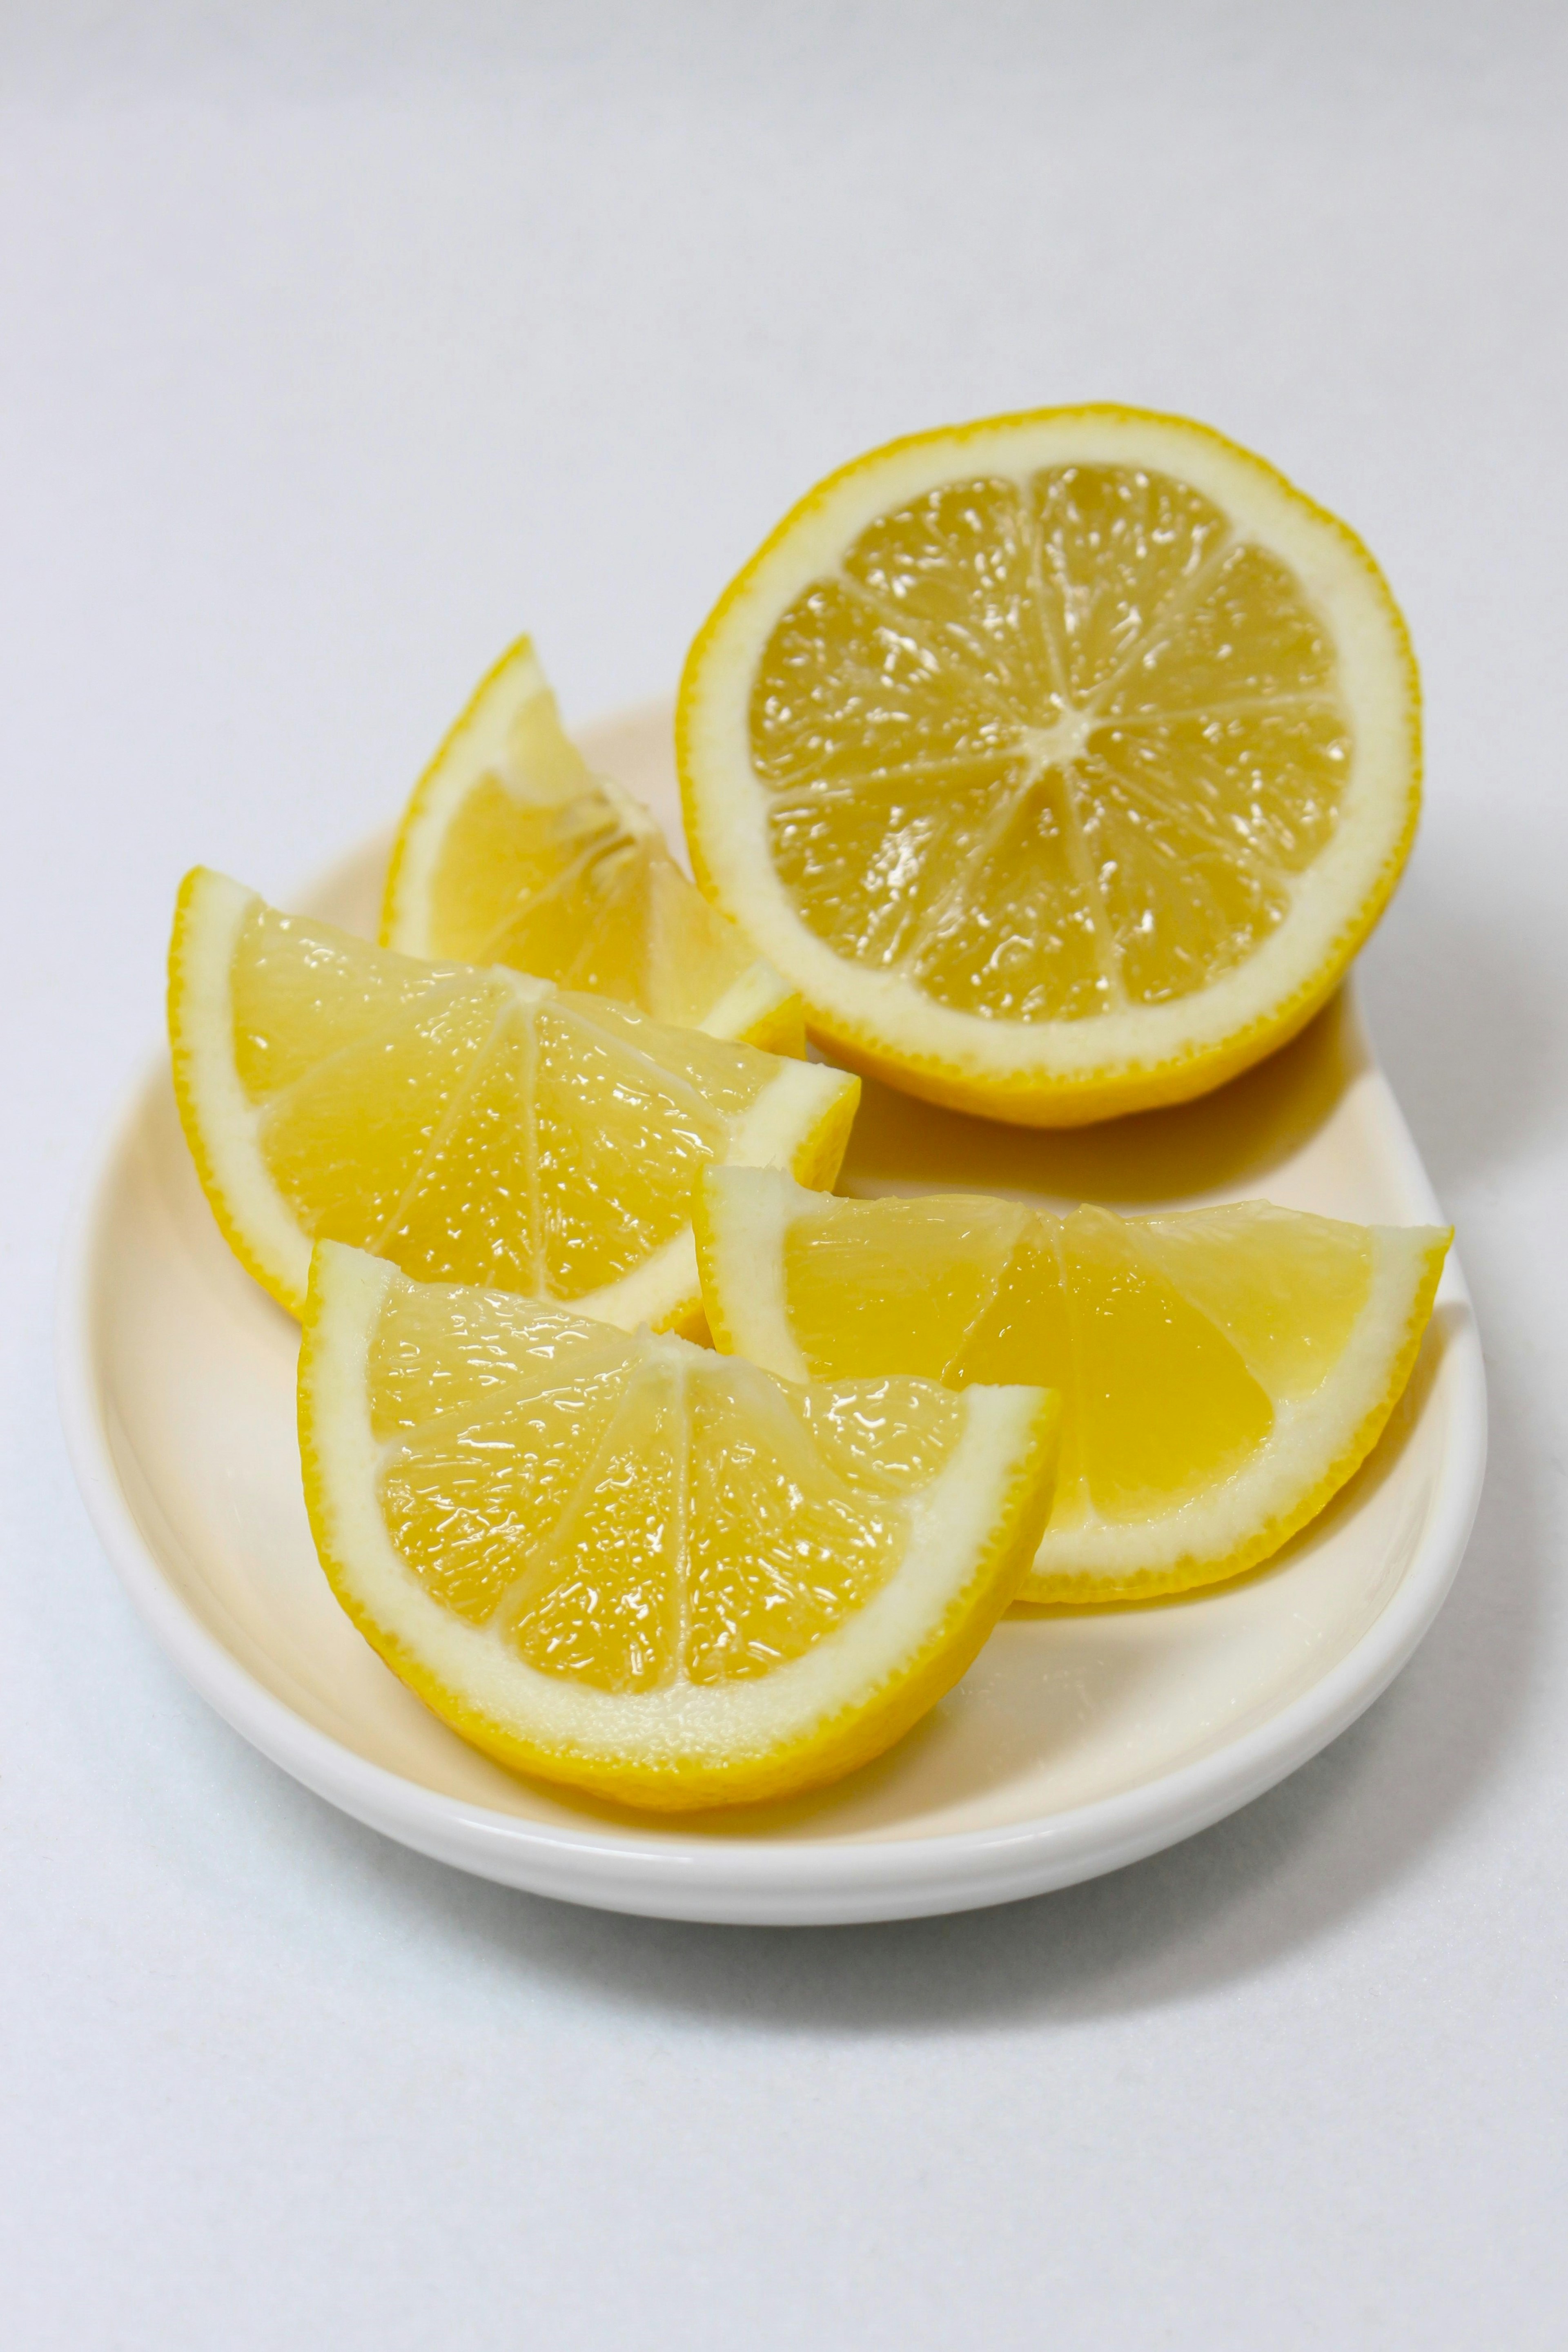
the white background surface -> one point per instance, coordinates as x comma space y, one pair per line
335, 346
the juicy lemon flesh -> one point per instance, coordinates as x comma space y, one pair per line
572, 892
692, 1520
538, 865
1050, 748
625, 1539
468, 1125
1159, 1401
1222, 1371
466, 1131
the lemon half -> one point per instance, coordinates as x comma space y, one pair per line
1061, 762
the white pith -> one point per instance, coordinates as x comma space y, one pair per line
952, 1525
744, 1234
751, 999
746, 1219
477, 747
726, 806
773, 1129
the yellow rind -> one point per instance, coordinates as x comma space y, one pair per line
851, 1737
273, 1277
1132, 1085
816, 1164
414, 814
721, 1331
740, 1276
780, 1029
821, 1153
814, 1160
1187, 1575
1113, 1093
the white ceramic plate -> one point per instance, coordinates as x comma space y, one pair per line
1076, 1743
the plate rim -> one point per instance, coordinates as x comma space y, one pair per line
662, 1872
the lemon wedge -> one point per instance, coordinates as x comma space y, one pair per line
641, 1567
1223, 1370
1061, 762
468, 1125
512, 852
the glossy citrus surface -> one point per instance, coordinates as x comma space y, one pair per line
1223, 1370
632, 1564
1062, 762
512, 852
468, 1124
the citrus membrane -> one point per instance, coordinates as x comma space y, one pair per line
631, 1564
1223, 1371
512, 852
467, 1124
1062, 762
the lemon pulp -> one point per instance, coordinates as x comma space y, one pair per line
629, 1562
1061, 761
470, 1125
993, 813
512, 852
1222, 1371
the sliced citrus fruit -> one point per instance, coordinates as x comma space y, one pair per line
1061, 762
1223, 1370
512, 852
635, 1565
469, 1125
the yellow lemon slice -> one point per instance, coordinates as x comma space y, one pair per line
1223, 1371
468, 1125
1061, 762
641, 1568
511, 852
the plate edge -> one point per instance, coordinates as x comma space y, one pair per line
696, 1880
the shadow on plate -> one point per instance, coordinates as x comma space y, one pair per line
1469, 1032
1226, 1141
966, 1770
1291, 1868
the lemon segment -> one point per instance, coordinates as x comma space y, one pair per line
1062, 762
630, 1564
1223, 1370
469, 1125
511, 852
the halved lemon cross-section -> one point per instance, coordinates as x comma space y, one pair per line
635, 1565
469, 1125
1061, 761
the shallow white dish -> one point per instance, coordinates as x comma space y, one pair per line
1078, 1742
